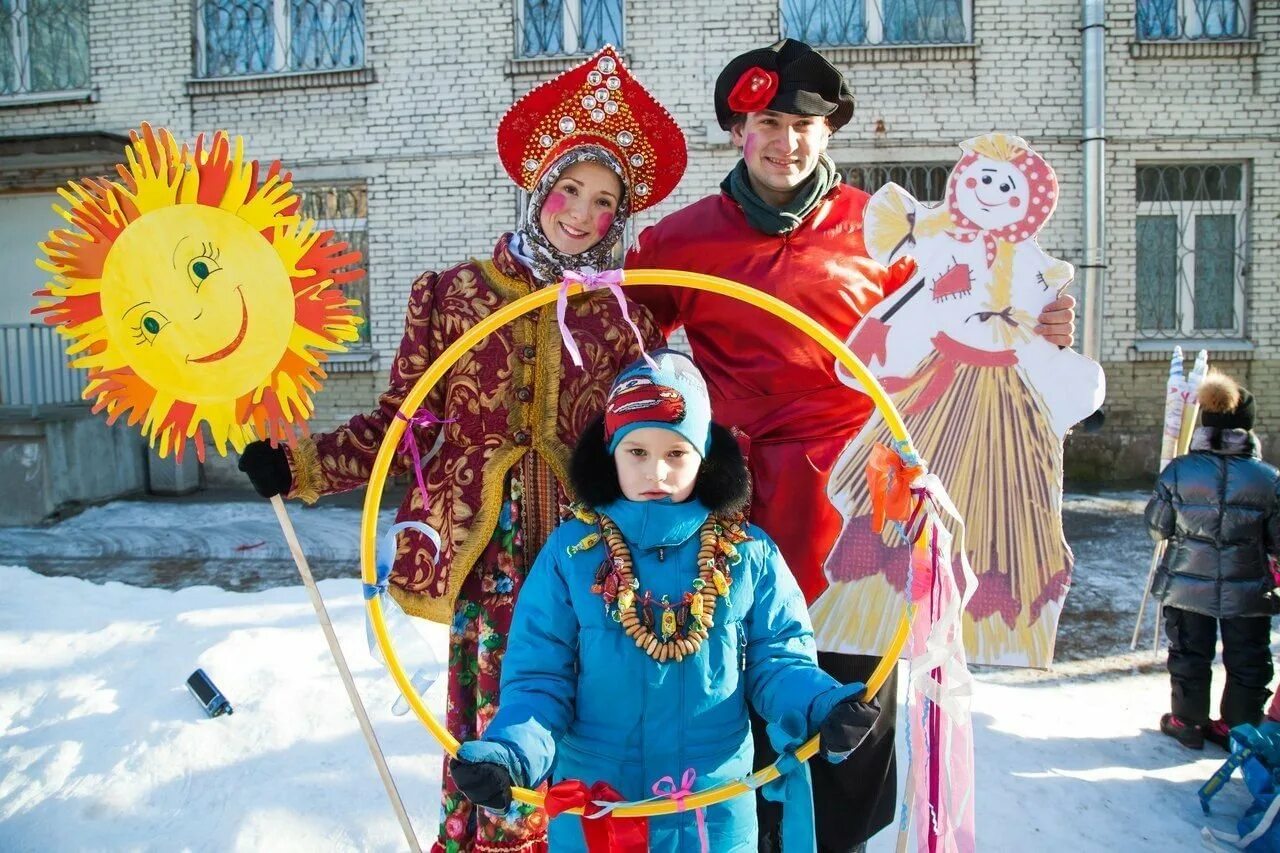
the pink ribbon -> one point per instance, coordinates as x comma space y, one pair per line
410, 440
666, 788
592, 280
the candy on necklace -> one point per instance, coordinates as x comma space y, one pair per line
585, 544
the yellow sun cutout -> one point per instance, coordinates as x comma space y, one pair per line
194, 294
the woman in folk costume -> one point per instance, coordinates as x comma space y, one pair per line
591, 147
646, 626
965, 370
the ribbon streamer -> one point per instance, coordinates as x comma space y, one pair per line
666, 788
592, 280
916, 502
410, 442
792, 788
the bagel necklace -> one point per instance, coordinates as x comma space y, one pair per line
663, 629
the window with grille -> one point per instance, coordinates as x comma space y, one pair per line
1191, 20
1192, 249
568, 27
44, 46
344, 210
237, 38
878, 22
925, 181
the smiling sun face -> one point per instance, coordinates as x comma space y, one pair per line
194, 296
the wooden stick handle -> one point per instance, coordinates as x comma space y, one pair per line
341, 662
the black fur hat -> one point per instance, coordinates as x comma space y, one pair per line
723, 484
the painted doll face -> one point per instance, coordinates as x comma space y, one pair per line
655, 463
580, 207
198, 301
992, 194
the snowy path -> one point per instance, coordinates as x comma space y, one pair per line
102, 748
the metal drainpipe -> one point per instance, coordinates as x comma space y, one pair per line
1093, 142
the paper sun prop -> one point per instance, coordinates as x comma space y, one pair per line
193, 293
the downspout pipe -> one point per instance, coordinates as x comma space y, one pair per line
1093, 147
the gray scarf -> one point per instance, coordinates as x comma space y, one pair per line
546, 261
768, 219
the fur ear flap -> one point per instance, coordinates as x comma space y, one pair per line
592, 472
724, 484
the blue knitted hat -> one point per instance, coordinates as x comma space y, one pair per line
674, 397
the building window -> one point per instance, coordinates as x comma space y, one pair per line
1192, 250
44, 46
1193, 20
344, 210
925, 181
242, 37
558, 27
877, 22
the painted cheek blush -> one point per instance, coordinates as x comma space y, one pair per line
603, 221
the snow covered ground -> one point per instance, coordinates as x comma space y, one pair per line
102, 748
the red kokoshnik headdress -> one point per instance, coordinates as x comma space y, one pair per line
596, 103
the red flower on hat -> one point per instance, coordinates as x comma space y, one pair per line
753, 91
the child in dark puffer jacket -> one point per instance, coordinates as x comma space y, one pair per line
1219, 508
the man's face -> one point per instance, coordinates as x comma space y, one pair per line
781, 151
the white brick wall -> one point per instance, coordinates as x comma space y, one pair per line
421, 135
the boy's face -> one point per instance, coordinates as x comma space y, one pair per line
580, 207
781, 151
655, 463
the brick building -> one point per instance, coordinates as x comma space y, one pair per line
385, 112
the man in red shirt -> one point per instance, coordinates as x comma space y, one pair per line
784, 224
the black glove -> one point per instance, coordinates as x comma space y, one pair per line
847, 726
485, 783
268, 468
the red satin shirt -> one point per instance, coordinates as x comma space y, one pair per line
766, 377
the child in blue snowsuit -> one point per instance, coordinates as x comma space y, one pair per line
632, 657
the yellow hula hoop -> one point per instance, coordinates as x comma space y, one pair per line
522, 306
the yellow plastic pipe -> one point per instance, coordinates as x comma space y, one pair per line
495, 321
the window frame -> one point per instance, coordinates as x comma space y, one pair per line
343, 227
1186, 211
281, 46
571, 30
1189, 29
20, 39
873, 23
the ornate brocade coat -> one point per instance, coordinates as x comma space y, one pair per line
514, 392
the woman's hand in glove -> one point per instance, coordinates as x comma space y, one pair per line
268, 469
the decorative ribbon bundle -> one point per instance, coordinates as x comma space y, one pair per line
940, 736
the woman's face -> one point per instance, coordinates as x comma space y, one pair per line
655, 463
581, 206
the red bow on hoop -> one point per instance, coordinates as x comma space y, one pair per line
889, 481
606, 833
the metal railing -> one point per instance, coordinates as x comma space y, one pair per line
238, 38
1191, 20
44, 46
33, 369
567, 27
925, 181
871, 23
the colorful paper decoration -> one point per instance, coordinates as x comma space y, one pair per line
194, 295
987, 400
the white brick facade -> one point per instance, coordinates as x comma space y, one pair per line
418, 129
